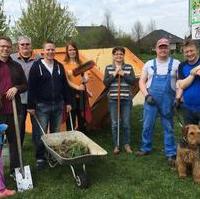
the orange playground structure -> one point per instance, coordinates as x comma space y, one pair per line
98, 102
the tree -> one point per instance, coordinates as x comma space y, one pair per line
124, 39
151, 26
4, 25
137, 31
94, 37
45, 20
108, 23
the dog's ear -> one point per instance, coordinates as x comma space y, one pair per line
185, 130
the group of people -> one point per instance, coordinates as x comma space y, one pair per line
165, 83
46, 88
43, 87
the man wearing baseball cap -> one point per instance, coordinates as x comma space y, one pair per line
157, 84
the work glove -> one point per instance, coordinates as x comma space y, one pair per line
150, 100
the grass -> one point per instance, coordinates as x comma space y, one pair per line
114, 177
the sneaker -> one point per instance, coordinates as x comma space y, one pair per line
116, 150
141, 153
6, 193
171, 160
40, 164
128, 148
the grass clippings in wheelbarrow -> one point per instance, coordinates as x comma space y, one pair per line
71, 149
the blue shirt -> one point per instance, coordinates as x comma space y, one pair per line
191, 95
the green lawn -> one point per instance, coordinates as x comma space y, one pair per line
114, 177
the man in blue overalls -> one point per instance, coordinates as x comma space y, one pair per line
157, 83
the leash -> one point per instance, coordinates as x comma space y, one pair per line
180, 121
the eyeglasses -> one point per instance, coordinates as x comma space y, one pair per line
25, 44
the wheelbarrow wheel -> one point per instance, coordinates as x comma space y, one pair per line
82, 180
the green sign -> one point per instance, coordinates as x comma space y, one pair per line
194, 11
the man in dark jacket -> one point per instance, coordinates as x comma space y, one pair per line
48, 92
12, 83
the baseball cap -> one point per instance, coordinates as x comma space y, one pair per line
162, 41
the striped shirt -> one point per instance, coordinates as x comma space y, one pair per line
126, 81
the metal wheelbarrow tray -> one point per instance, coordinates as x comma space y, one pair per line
95, 151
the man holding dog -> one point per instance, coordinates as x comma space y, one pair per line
157, 83
189, 75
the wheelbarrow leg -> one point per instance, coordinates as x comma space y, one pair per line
80, 176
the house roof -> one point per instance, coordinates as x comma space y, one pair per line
154, 36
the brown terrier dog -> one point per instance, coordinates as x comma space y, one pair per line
188, 156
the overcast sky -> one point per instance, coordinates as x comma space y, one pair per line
170, 15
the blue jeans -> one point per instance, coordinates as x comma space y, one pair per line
125, 112
161, 91
22, 119
49, 115
150, 114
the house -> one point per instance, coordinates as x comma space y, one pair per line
148, 42
85, 29
94, 37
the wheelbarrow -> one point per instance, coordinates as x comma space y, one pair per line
78, 163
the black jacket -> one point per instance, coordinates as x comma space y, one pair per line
46, 88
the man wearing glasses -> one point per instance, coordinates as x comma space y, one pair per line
12, 83
25, 57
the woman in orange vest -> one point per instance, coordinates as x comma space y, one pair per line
77, 83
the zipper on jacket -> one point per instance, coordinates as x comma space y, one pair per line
52, 84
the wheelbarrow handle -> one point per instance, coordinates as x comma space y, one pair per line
40, 126
71, 123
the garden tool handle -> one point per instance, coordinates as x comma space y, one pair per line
19, 146
40, 126
118, 110
71, 123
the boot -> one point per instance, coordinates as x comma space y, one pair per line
128, 148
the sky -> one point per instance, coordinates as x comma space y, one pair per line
169, 15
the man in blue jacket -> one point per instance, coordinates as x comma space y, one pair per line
48, 92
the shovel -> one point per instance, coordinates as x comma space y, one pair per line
118, 111
22, 174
